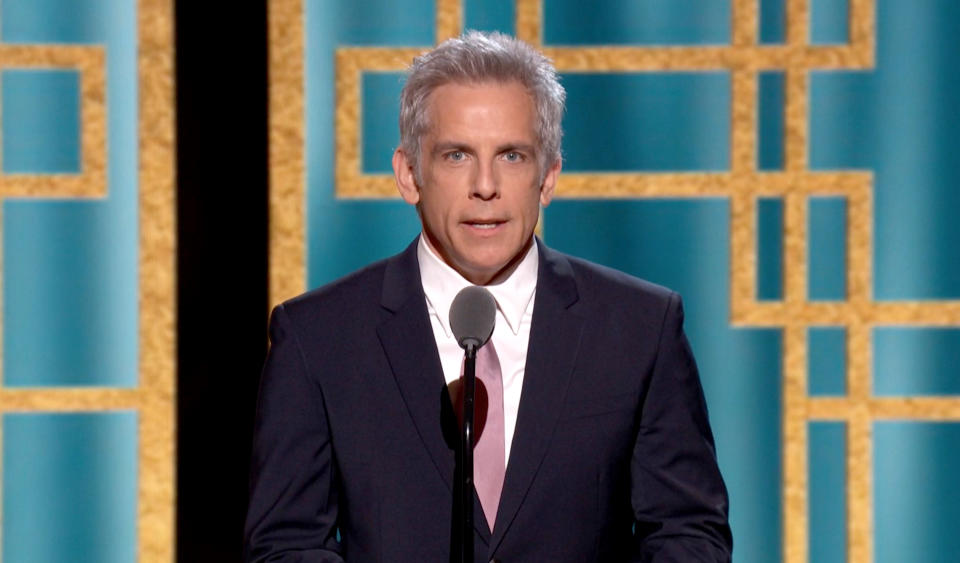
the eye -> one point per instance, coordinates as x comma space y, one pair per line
455, 156
513, 156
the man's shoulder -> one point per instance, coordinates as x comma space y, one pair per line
350, 295
602, 283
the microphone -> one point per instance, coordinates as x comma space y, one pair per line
472, 316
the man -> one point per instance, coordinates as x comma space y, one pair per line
596, 441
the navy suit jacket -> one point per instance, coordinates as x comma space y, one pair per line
612, 458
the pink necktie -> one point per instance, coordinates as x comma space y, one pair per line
489, 464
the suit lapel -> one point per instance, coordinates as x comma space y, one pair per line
408, 342
551, 353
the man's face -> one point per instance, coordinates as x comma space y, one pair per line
481, 190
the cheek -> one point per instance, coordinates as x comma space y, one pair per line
532, 201
521, 184
438, 210
525, 174
450, 176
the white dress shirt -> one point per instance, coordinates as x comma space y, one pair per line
511, 333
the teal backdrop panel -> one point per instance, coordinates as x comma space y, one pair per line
370, 229
380, 95
894, 120
769, 269
70, 266
624, 22
827, 256
898, 121
770, 125
828, 510
826, 361
773, 21
916, 361
41, 129
828, 21
70, 292
655, 121
70, 488
917, 494
490, 15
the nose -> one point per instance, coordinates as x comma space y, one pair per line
486, 184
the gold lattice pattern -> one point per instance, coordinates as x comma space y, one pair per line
153, 398
743, 184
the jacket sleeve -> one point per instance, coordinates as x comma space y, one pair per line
679, 498
292, 516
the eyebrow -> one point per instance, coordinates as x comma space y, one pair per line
443, 146
521, 147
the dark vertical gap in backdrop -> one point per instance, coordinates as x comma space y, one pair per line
221, 73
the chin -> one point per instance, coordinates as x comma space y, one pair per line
491, 269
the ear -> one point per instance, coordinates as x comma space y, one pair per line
405, 177
550, 182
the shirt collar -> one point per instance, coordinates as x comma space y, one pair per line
441, 283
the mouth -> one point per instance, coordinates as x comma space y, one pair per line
484, 224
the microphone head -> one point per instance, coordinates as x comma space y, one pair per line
472, 316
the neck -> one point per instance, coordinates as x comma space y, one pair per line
481, 277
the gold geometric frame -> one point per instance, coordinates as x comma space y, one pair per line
154, 396
743, 184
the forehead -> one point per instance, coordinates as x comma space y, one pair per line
473, 104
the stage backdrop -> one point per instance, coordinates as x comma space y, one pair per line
787, 165
88, 270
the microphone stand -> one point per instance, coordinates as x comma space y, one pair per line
473, 315
466, 453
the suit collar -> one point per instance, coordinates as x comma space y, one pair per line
551, 355
410, 348
441, 284
407, 340
401, 279
555, 276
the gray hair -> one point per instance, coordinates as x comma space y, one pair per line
481, 57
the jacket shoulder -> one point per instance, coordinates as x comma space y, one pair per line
352, 294
597, 284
